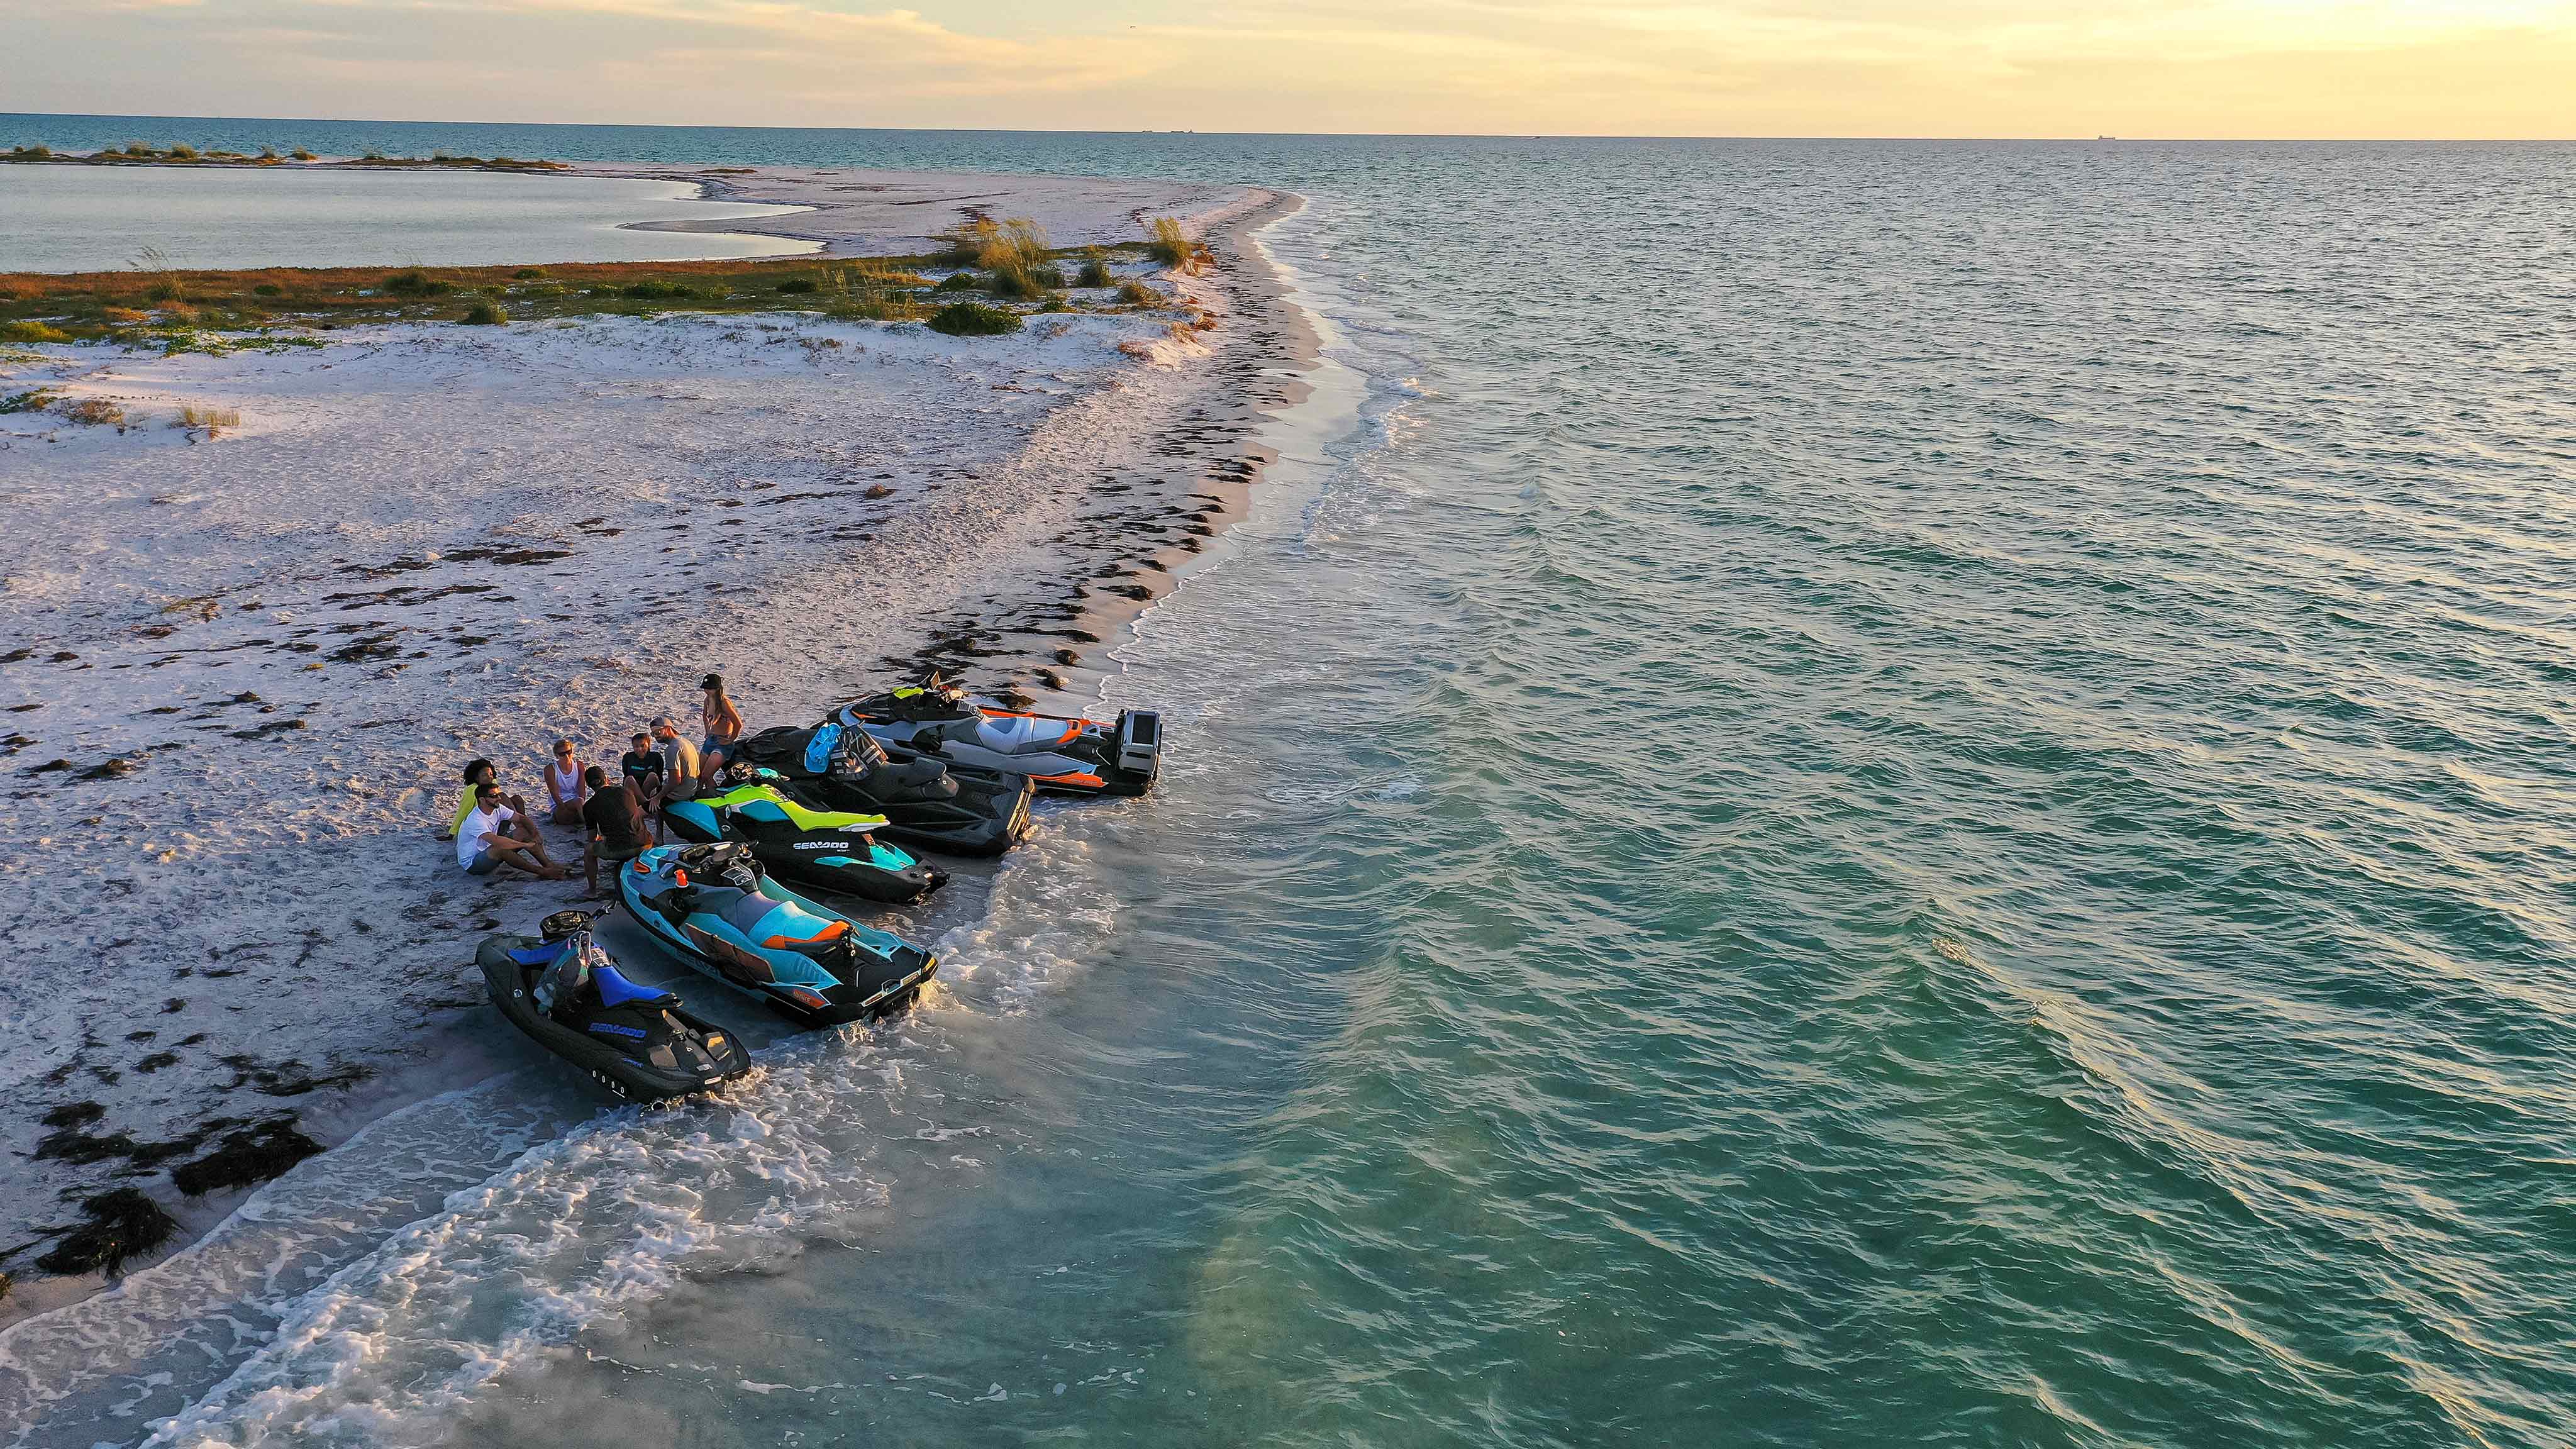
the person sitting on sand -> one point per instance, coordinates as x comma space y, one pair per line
478, 773
679, 761
723, 729
612, 823
494, 835
641, 768
564, 785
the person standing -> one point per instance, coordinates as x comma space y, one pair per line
612, 824
723, 730
641, 768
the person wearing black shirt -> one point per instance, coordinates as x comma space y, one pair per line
612, 823
643, 767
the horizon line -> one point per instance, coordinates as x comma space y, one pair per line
2391, 140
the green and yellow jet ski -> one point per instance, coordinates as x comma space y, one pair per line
827, 850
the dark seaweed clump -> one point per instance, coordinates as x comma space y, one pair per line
254, 1155
117, 1225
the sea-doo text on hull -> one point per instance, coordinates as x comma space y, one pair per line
826, 850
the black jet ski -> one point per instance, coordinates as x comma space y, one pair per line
827, 850
1063, 755
637, 1041
721, 912
832, 766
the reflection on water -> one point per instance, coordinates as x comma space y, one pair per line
82, 218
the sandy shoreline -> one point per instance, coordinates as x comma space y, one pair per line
426, 543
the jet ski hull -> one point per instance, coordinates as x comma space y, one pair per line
877, 973
511, 983
926, 803
1060, 754
840, 862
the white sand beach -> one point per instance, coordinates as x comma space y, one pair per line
243, 667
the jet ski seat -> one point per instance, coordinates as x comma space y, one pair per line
616, 990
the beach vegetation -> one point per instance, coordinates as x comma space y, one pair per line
31, 330
1095, 271
414, 283
1167, 242
300, 154
268, 289
33, 401
974, 319
267, 156
1138, 294
797, 286
484, 313
527, 274
213, 420
653, 291
31, 154
91, 412
140, 148
182, 151
961, 282
114, 1226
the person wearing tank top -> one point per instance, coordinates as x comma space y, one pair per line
565, 786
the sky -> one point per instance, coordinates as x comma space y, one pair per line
2200, 68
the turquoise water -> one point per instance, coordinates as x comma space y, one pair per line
1844, 794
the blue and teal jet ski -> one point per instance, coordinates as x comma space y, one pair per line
716, 907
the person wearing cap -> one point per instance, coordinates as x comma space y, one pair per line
723, 729
679, 761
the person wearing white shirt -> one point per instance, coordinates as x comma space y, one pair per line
494, 835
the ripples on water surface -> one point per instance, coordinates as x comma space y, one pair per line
1871, 794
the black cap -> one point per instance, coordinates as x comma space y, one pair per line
712, 681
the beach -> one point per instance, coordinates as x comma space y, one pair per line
254, 656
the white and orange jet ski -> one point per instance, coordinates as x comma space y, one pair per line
1060, 755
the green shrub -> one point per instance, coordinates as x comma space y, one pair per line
484, 314
1167, 243
412, 284
269, 289
974, 319
31, 153
138, 148
183, 152
1094, 273
528, 274
797, 285
27, 402
300, 154
962, 282
32, 332
650, 291
1138, 294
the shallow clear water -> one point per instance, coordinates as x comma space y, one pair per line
91, 219
1844, 794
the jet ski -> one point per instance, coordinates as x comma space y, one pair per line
1061, 755
721, 912
637, 1041
823, 849
960, 810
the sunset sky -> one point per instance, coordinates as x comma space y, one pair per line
2430, 68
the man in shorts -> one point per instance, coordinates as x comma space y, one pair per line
679, 761
494, 835
612, 824
641, 767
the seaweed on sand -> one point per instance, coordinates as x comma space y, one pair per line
117, 1224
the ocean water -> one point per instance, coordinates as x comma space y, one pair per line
1841, 794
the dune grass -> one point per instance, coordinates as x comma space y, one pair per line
152, 304
974, 319
484, 314
1168, 243
213, 420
